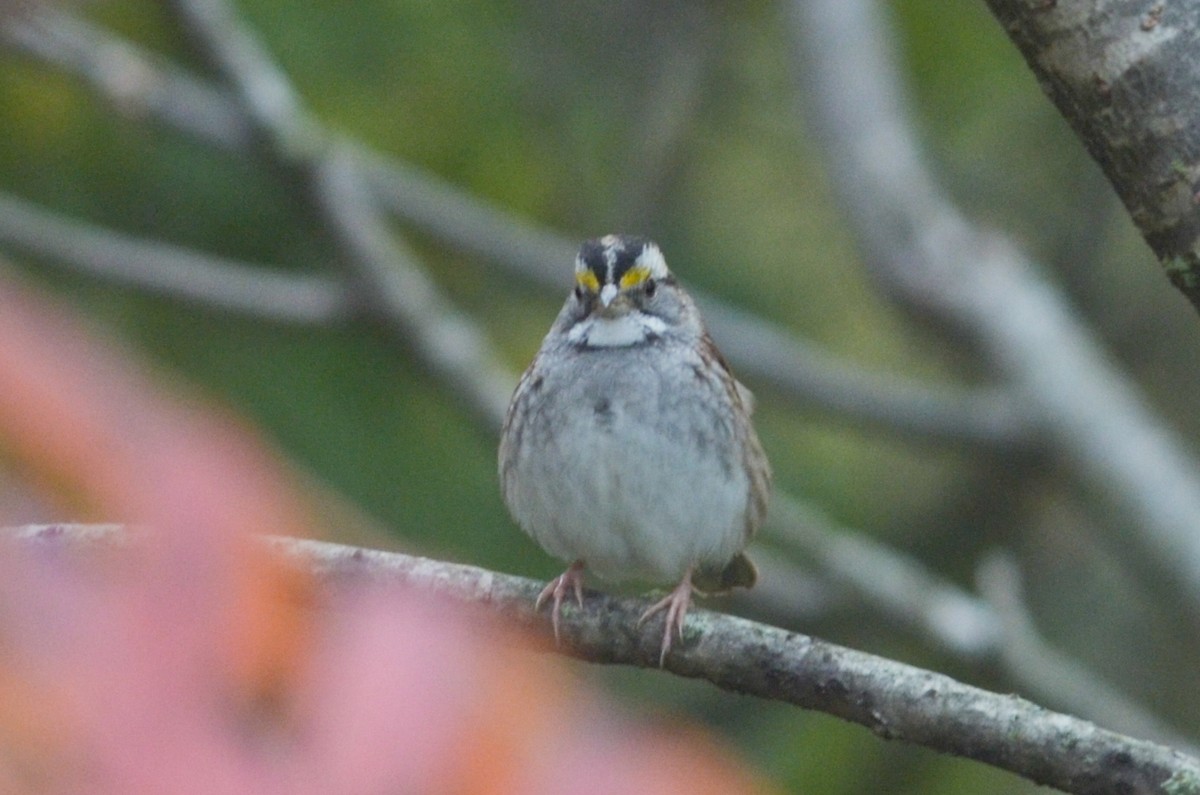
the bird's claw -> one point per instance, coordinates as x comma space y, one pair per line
676, 603
556, 590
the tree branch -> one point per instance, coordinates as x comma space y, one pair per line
978, 284
896, 701
1125, 74
163, 269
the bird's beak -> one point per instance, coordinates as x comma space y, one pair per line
613, 303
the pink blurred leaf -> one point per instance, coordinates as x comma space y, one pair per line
188, 660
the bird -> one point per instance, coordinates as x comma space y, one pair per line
628, 447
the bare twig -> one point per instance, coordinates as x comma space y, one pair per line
137, 83
992, 417
979, 284
894, 700
142, 85
164, 269
389, 278
447, 339
262, 90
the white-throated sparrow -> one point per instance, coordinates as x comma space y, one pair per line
628, 446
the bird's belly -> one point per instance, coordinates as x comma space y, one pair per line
632, 495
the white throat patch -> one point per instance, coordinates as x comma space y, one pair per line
616, 332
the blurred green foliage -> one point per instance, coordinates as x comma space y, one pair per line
669, 118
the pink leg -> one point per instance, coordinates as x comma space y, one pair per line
676, 604
571, 579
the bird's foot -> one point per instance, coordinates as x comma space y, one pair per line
676, 603
556, 589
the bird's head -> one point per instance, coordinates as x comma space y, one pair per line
624, 295
615, 273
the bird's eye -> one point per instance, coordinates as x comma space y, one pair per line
578, 293
650, 288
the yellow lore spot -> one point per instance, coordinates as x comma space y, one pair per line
587, 280
634, 276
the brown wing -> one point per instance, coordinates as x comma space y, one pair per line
754, 458
510, 434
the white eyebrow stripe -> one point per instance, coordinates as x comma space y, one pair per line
652, 260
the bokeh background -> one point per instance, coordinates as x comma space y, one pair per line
680, 121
